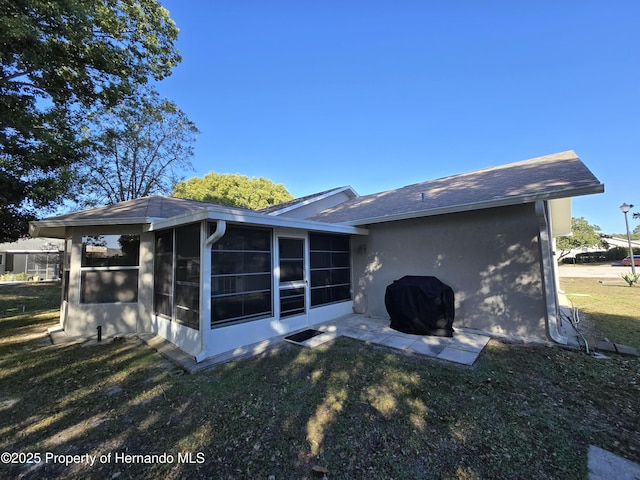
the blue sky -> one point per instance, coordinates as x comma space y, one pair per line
381, 94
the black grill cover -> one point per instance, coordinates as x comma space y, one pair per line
421, 306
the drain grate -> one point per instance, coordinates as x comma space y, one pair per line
303, 336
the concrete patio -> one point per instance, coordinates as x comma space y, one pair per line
462, 349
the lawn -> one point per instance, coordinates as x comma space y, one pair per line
612, 306
354, 409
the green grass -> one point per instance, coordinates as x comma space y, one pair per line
611, 305
358, 410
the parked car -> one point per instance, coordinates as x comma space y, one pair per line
626, 261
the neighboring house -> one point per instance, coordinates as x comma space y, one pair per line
211, 279
621, 242
611, 242
35, 257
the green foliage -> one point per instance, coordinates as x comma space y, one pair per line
583, 235
613, 254
630, 278
13, 277
140, 148
618, 253
233, 190
58, 59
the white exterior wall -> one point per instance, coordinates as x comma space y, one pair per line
239, 337
83, 319
491, 258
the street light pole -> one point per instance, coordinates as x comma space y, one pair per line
624, 208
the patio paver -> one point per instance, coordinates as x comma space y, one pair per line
463, 348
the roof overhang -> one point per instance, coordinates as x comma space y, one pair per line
501, 202
56, 228
249, 217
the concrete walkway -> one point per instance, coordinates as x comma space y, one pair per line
604, 465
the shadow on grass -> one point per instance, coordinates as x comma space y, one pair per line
355, 409
28, 297
358, 410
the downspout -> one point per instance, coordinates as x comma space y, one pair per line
221, 228
552, 320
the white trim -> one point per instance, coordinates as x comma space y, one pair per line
304, 283
313, 199
249, 217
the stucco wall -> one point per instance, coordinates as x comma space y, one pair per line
83, 319
491, 259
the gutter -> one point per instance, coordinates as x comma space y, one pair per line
221, 229
552, 320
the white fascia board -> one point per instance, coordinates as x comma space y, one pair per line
503, 202
249, 217
314, 199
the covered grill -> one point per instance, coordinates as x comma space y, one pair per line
420, 305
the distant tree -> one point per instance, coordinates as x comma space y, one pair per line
233, 190
139, 148
57, 60
584, 235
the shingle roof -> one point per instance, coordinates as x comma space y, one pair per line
559, 175
146, 207
553, 176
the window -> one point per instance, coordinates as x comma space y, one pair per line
163, 274
187, 276
241, 275
43, 265
110, 265
330, 265
176, 275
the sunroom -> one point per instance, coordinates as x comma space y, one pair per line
222, 284
209, 280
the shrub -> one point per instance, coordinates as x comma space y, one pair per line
630, 278
617, 253
13, 277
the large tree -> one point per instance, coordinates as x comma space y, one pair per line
57, 60
233, 190
139, 148
583, 235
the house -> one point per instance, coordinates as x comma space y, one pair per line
34, 257
210, 279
